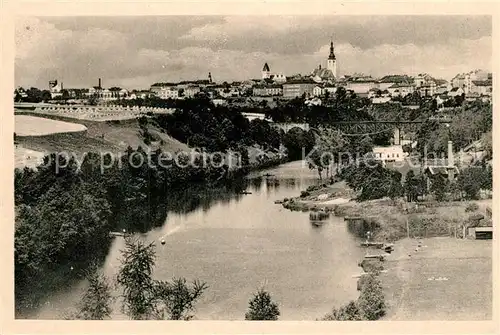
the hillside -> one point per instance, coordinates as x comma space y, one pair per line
109, 136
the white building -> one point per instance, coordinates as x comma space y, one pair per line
191, 90
393, 153
317, 91
168, 93
380, 100
55, 89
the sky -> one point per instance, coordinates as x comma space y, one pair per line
135, 52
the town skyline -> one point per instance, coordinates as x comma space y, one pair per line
233, 48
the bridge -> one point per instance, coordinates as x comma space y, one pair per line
94, 113
372, 127
357, 128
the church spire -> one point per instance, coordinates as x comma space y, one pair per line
332, 53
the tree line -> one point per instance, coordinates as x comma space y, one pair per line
65, 211
201, 124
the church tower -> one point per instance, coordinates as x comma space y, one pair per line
331, 63
266, 72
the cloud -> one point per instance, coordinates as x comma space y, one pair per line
236, 48
305, 34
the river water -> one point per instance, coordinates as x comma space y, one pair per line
242, 243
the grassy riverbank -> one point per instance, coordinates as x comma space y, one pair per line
391, 219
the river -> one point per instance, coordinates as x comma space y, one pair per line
239, 244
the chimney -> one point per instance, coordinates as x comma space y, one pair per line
451, 160
100, 83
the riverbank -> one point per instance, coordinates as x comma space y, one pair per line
323, 196
391, 220
443, 279
433, 273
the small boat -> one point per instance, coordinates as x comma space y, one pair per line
379, 257
388, 247
245, 192
317, 223
268, 175
116, 234
372, 244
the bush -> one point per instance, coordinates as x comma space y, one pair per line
313, 188
349, 312
261, 307
371, 301
472, 207
96, 300
304, 194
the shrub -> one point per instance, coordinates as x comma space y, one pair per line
313, 188
96, 300
349, 312
472, 207
371, 301
304, 194
261, 307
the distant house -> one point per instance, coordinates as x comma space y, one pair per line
313, 102
218, 102
427, 89
169, 92
269, 90
455, 91
393, 153
360, 84
299, 87
317, 91
401, 89
482, 87
191, 90
387, 81
380, 100
441, 99
330, 89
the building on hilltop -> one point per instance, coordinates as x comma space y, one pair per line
359, 84
298, 88
465, 80
55, 89
275, 77
267, 90
394, 79
266, 71
328, 74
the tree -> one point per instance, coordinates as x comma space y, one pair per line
487, 142
371, 300
349, 312
261, 307
138, 260
177, 299
439, 186
469, 181
395, 188
145, 298
95, 302
297, 142
414, 186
